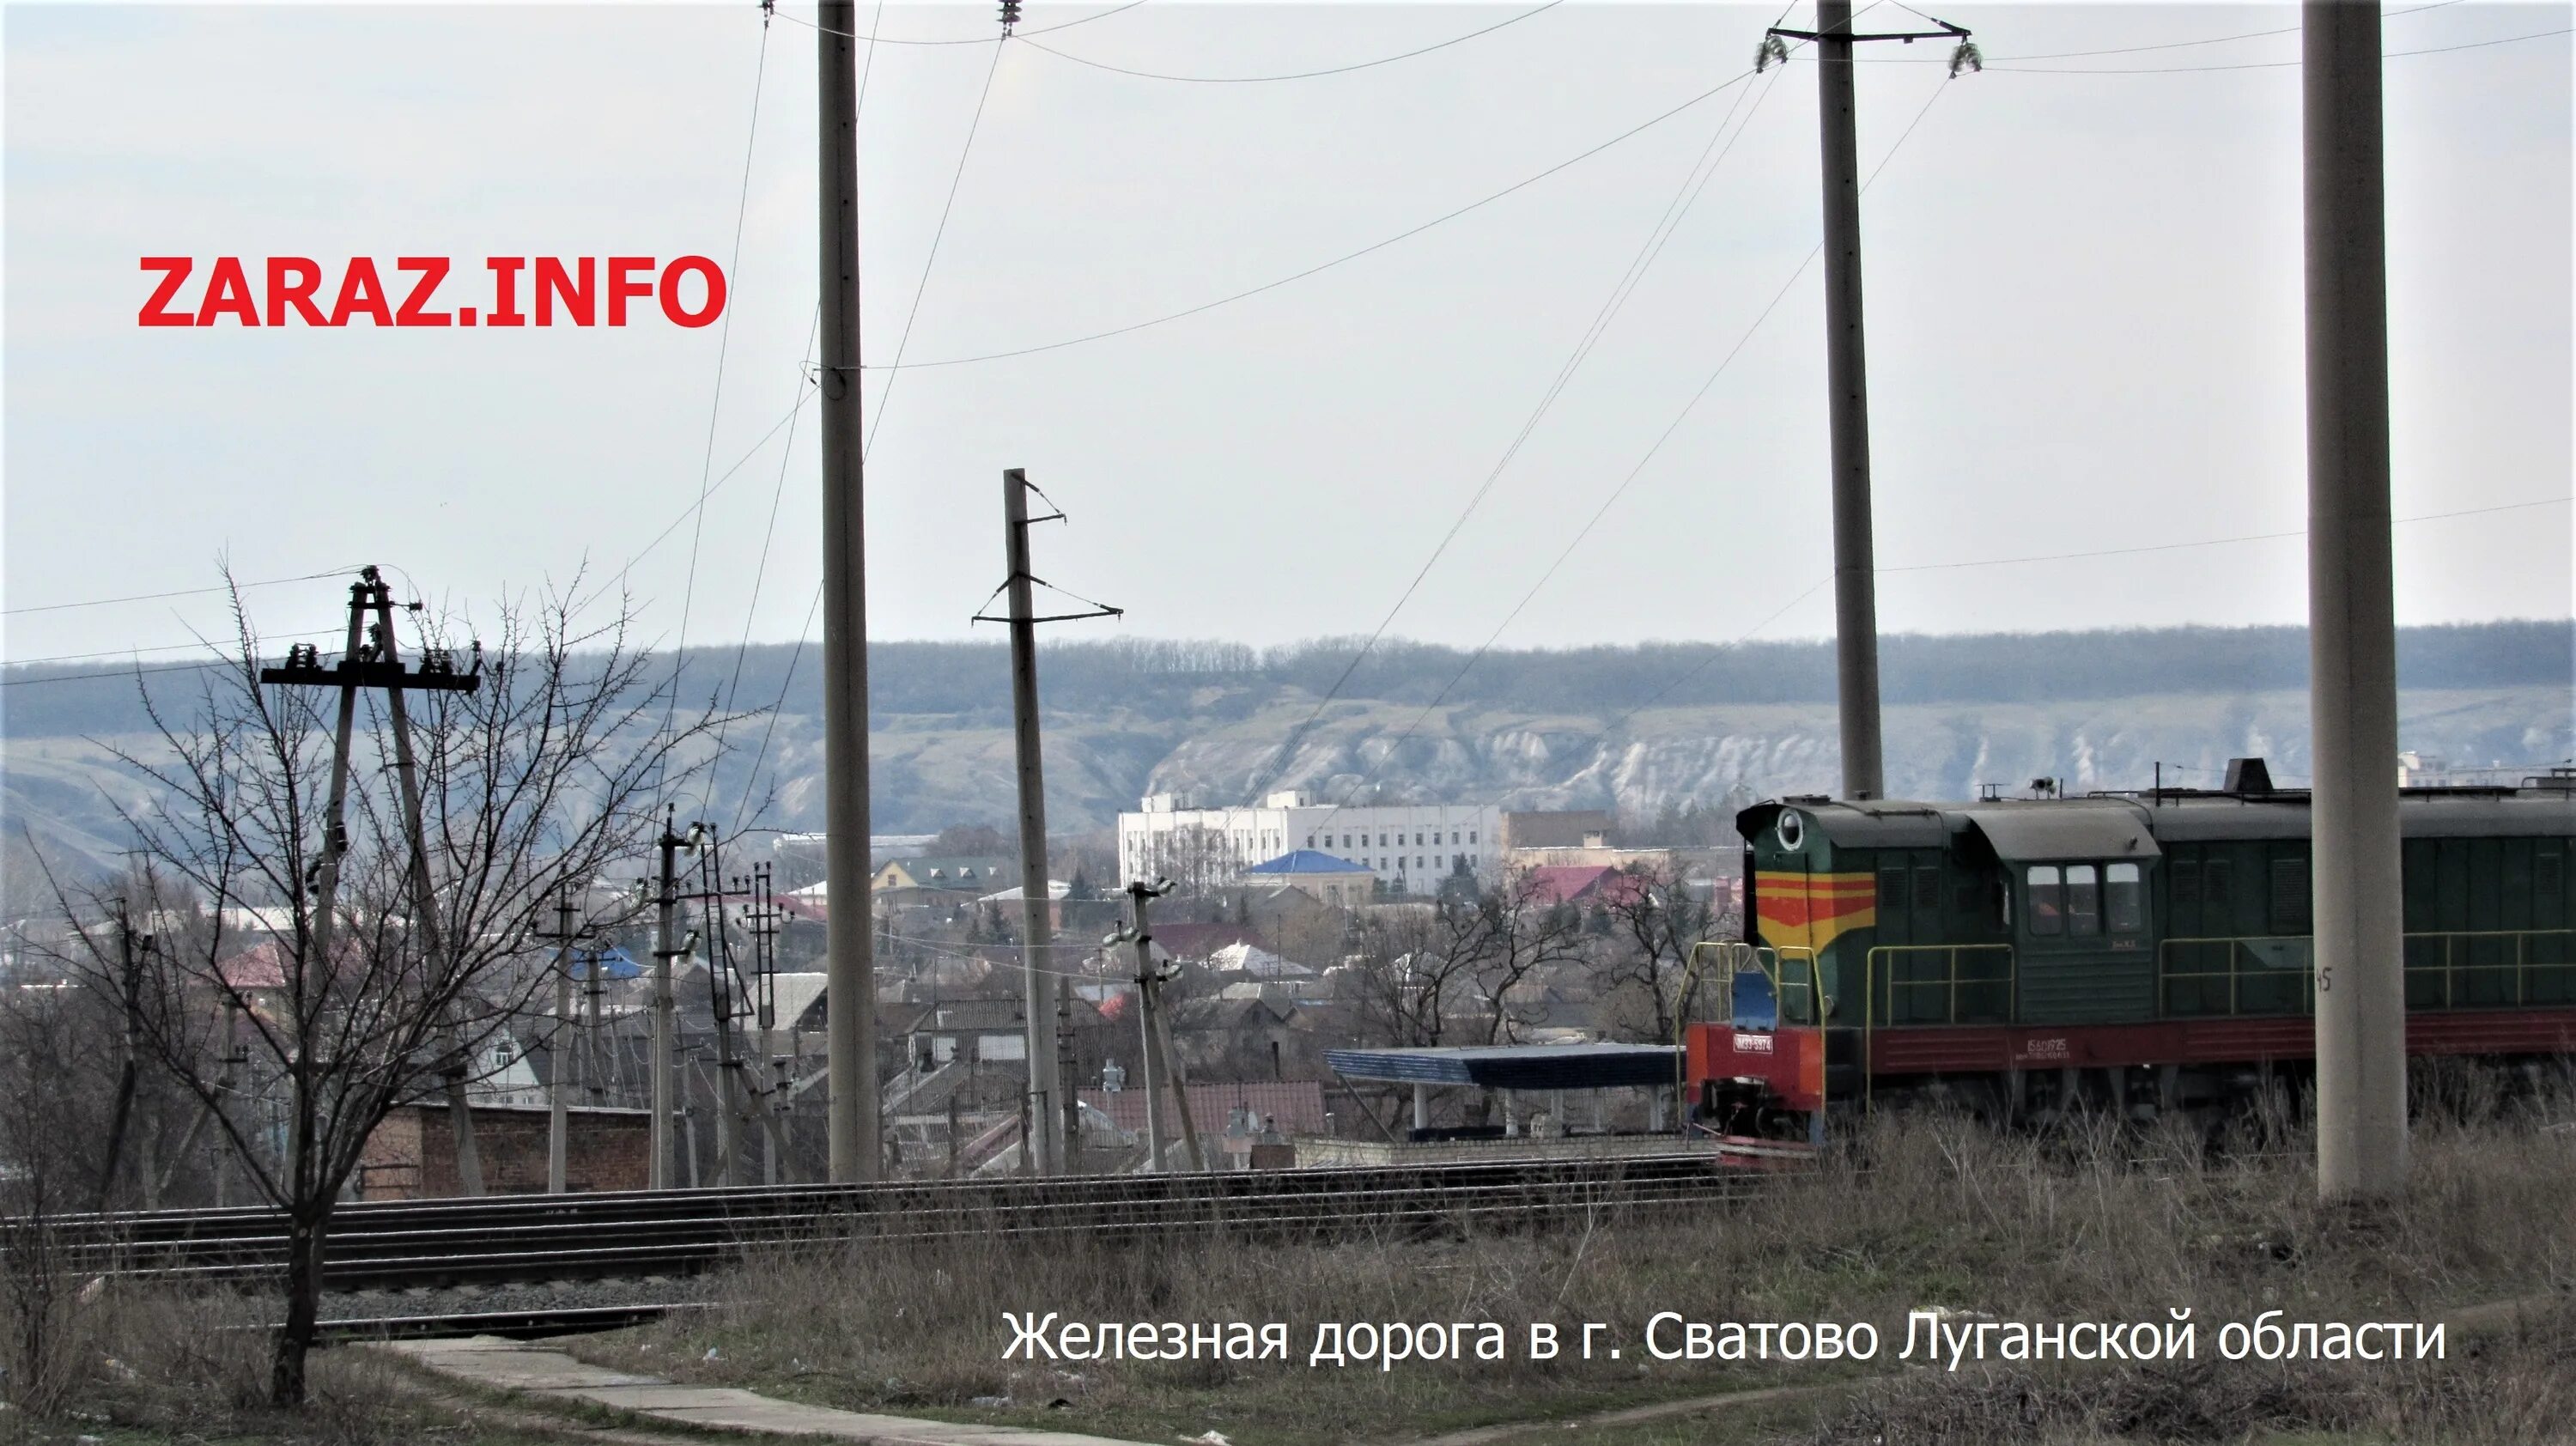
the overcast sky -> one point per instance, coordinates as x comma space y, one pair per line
2083, 287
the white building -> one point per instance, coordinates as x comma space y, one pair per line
1414, 846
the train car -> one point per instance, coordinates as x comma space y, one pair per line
2142, 952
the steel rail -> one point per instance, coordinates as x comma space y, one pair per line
471, 1242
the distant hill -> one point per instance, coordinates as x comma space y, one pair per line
1633, 727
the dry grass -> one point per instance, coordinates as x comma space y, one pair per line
152, 1366
2098, 1224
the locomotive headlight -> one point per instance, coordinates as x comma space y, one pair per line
1792, 831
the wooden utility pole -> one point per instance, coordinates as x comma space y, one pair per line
1055, 1108
1847, 384
2352, 628
850, 1048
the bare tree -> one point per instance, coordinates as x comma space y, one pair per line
1506, 938
1655, 922
1452, 972
1401, 988
389, 954
1198, 858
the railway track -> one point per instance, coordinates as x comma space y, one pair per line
391, 1246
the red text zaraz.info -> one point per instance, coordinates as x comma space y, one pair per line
526, 291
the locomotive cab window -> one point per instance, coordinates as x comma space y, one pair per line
2123, 898
2083, 899
2046, 889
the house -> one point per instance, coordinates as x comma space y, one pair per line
966, 878
989, 1030
1586, 884
1336, 881
1009, 902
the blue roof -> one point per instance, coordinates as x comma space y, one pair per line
1308, 861
611, 964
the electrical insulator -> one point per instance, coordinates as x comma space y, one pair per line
1010, 14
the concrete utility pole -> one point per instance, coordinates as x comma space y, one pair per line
559, 1055
424, 891
850, 1046
377, 662
1136, 932
1046, 1135
1159, 1072
667, 946
1056, 1109
2352, 630
1847, 383
1847, 380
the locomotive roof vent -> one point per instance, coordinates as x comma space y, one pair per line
2247, 775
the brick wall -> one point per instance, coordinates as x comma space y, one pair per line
412, 1155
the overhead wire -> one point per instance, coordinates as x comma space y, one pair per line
885, 397
1349, 256
1694, 182
101, 602
153, 648
2264, 64
2211, 541
961, 40
715, 402
904, 342
1296, 75
2558, 501
1621, 489
768, 539
2140, 49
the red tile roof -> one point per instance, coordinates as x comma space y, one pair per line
1572, 883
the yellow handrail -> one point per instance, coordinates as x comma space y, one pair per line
2239, 947
1951, 952
1735, 954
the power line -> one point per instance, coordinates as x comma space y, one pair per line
769, 729
1693, 183
715, 402
768, 538
2263, 64
101, 602
1633, 473
2142, 49
122, 673
2212, 541
692, 509
1404, 235
927, 262
155, 648
975, 40
1299, 75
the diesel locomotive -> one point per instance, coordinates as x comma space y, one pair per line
2141, 952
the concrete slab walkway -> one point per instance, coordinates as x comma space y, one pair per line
532, 1370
